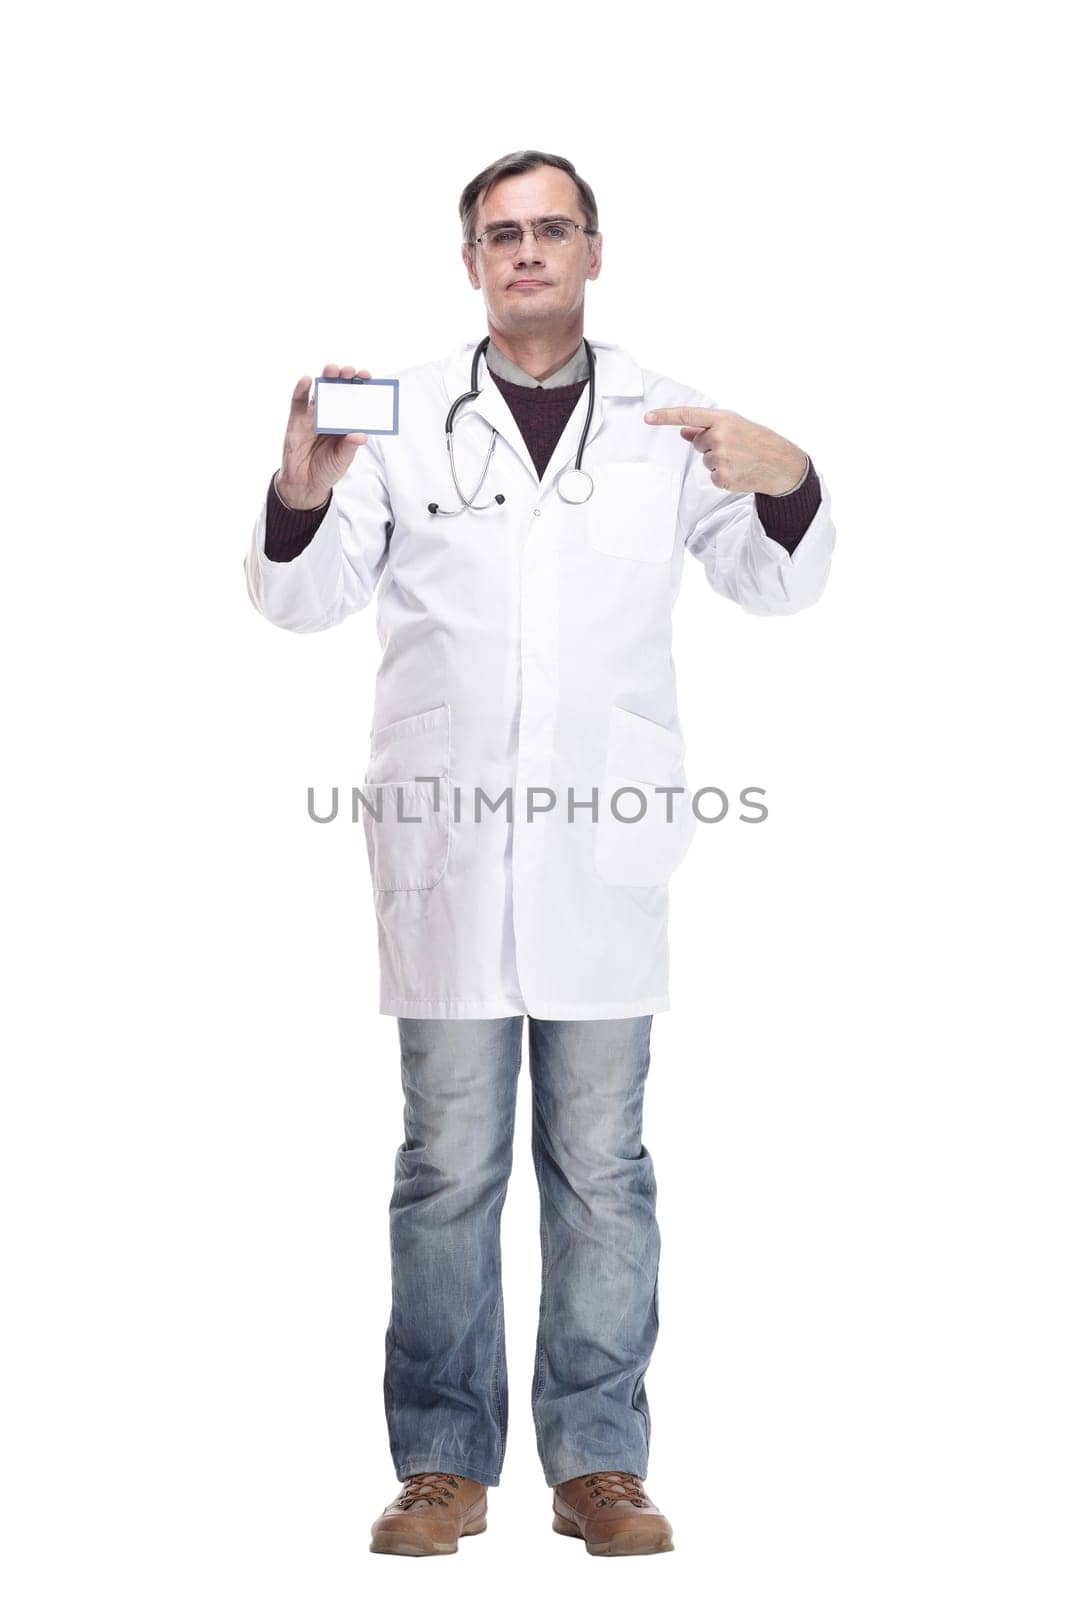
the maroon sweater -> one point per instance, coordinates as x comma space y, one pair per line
542, 416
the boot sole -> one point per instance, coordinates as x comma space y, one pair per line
396, 1542
630, 1542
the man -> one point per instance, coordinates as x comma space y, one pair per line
525, 625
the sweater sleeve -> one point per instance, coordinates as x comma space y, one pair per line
288, 532
787, 517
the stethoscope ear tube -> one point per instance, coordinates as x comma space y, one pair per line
575, 486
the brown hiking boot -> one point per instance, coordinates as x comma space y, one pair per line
432, 1512
612, 1513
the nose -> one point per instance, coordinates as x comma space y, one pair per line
533, 256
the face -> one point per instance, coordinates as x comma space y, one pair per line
560, 271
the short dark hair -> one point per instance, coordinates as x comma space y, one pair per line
509, 167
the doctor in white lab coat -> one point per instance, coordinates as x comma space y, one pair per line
525, 708
527, 652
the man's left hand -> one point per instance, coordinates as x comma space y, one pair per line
739, 454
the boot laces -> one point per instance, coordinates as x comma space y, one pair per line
609, 1488
432, 1486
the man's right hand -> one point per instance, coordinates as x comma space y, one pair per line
313, 462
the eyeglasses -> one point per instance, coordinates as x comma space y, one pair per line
553, 232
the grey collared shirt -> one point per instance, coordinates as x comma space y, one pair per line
576, 370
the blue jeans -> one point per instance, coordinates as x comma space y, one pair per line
446, 1392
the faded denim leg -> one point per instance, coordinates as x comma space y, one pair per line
445, 1366
600, 1245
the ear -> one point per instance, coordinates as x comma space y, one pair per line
468, 261
595, 257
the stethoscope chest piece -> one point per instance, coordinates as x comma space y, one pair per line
575, 486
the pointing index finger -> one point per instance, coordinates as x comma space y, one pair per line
681, 416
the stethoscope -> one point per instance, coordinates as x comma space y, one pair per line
575, 485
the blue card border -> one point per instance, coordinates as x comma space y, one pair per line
394, 382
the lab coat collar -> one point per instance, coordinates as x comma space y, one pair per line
617, 377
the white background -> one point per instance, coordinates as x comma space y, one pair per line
838, 224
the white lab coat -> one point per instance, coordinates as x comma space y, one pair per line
528, 646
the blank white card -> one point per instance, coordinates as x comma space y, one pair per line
368, 407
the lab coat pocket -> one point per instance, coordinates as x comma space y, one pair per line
407, 782
633, 510
642, 756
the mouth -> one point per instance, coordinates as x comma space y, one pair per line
528, 283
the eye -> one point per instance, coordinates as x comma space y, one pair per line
553, 230
504, 236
